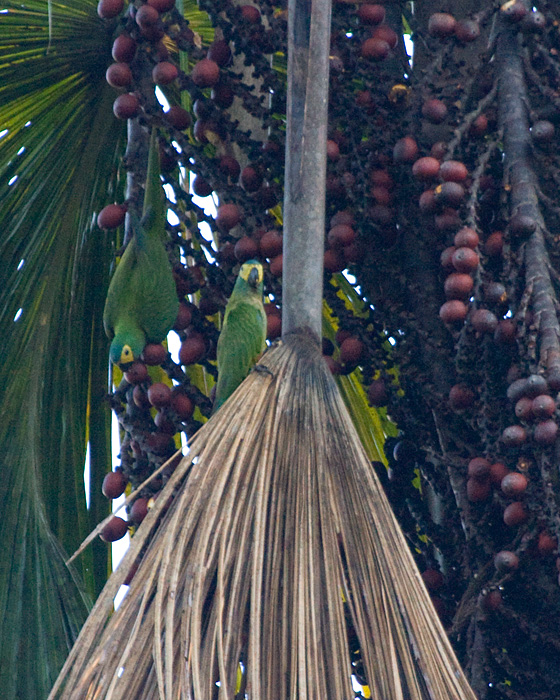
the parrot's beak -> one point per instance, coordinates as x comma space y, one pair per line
253, 278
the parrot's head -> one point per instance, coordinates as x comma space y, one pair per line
252, 274
126, 348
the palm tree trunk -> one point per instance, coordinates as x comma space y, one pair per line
305, 175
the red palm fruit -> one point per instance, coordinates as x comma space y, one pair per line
542, 131
506, 332
114, 484
219, 52
111, 216
137, 373
491, 601
514, 436
377, 393
515, 514
480, 125
371, 14
119, 75
114, 530
465, 259
228, 216
275, 266
333, 150
139, 510
375, 49
192, 349
126, 106
494, 244
385, 33
164, 73
178, 117
154, 354
477, 490
479, 468
273, 326
441, 24
184, 317
506, 561
546, 544
545, 433
342, 217
200, 187
205, 73
450, 194
124, 48
435, 111
352, 350
438, 150
484, 321
381, 178
433, 579
426, 168
405, 150
467, 30
159, 394
146, 16
497, 472
446, 258
229, 167
164, 423
543, 406
460, 397
514, 484
250, 14
271, 244
107, 9
524, 408
181, 404
427, 202
246, 248
381, 195
453, 311
251, 179
447, 220
333, 261
140, 397
466, 238
341, 235
453, 171
458, 285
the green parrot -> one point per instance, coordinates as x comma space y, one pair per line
243, 336
142, 304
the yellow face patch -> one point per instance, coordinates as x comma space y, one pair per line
246, 268
127, 356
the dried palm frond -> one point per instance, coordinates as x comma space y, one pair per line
271, 542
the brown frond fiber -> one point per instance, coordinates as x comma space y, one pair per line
270, 534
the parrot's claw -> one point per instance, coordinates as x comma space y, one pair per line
262, 368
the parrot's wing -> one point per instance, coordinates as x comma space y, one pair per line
242, 340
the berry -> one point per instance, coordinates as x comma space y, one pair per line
114, 530
111, 216
107, 9
514, 484
205, 73
126, 106
159, 394
114, 484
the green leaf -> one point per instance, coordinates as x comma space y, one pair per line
59, 158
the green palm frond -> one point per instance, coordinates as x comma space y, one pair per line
59, 156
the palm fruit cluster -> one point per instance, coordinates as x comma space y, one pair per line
441, 204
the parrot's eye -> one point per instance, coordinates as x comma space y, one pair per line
127, 355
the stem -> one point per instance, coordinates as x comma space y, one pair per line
306, 157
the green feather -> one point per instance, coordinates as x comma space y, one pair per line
243, 336
142, 303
